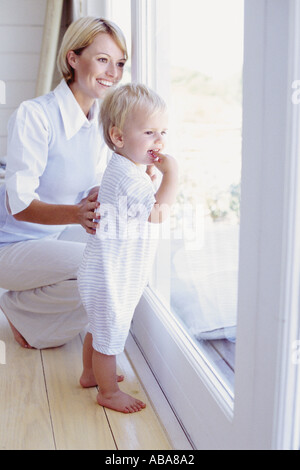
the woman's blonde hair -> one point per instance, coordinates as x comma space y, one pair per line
79, 35
118, 104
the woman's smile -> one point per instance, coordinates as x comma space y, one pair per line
105, 83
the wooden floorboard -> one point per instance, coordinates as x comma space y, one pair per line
25, 422
78, 422
139, 431
43, 407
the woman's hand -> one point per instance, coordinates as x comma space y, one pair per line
86, 213
39, 212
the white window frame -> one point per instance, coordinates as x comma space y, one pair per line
262, 413
287, 415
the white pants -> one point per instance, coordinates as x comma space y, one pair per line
40, 276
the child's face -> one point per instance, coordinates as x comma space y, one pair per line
143, 134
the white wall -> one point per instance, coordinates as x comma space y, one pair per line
21, 31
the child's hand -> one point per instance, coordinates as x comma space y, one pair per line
151, 172
165, 163
166, 193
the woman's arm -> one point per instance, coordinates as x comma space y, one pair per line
28, 146
39, 212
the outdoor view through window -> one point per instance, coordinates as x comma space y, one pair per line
198, 276
206, 46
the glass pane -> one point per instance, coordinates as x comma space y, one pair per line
121, 15
206, 45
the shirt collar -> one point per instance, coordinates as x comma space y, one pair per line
72, 115
129, 163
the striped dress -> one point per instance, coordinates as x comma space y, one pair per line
118, 259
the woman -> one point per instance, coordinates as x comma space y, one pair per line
56, 155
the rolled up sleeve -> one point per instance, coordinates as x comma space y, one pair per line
27, 155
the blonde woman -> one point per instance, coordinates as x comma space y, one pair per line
56, 155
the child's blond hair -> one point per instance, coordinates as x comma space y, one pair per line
121, 102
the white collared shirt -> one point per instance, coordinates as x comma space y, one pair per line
55, 154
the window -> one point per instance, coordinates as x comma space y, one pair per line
198, 59
191, 374
119, 11
206, 61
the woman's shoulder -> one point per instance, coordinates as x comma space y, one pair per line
35, 110
37, 105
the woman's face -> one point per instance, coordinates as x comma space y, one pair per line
98, 68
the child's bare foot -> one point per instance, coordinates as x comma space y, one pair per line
87, 380
120, 401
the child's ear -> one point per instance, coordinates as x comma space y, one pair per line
116, 136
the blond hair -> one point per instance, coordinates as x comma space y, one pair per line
122, 101
79, 35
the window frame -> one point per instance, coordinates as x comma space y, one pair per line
262, 415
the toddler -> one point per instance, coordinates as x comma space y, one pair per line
118, 259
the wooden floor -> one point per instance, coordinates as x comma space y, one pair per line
43, 407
